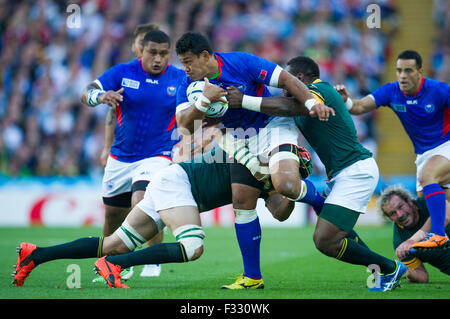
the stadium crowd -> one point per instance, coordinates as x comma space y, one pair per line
46, 62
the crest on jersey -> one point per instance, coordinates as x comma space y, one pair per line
171, 90
429, 108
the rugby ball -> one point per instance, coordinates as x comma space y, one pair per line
216, 109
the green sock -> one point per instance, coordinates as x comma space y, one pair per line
155, 254
354, 235
88, 247
354, 253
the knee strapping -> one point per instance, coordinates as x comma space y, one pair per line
243, 216
191, 237
131, 238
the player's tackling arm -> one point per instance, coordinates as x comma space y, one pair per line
356, 107
278, 106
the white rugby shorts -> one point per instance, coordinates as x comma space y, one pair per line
169, 188
421, 159
120, 176
279, 131
353, 186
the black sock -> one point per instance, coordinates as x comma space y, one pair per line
88, 247
155, 254
354, 253
353, 235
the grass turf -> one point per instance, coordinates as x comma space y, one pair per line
291, 266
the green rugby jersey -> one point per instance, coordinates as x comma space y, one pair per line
439, 258
210, 179
335, 140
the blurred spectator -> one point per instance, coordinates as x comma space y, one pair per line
45, 65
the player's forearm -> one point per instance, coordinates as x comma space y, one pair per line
360, 106
109, 128
189, 119
282, 106
417, 275
84, 96
295, 87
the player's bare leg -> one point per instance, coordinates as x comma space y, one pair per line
148, 270
435, 174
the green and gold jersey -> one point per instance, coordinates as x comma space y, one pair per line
210, 179
439, 258
335, 140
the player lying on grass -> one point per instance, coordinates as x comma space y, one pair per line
411, 224
179, 194
352, 171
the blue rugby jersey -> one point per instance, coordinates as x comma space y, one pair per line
248, 73
424, 115
146, 116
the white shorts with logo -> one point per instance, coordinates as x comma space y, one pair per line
169, 188
120, 176
353, 186
279, 131
443, 150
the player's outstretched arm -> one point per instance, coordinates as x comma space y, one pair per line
94, 95
356, 107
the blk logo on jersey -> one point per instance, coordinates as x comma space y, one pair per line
151, 81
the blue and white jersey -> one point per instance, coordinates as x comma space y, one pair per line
146, 116
424, 115
250, 74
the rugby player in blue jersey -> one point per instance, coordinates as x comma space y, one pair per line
422, 105
143, 94
269, 139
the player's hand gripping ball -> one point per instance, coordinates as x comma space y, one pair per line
215, 109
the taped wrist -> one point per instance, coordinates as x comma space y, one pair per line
92, 96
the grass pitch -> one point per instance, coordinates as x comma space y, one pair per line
291, 266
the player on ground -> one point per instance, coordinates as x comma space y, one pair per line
190, 187
273, 139
351, 169
411, 224
143, 94
423, 107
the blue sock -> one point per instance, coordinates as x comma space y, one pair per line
249, 239
312, 197
436, 201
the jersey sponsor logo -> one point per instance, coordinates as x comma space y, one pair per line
398, 107
151, 81
171, 90
429, 108
409, 102
129, 83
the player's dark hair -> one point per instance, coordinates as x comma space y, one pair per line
193, 42
144, 28
305, 65
411, 55
157, 36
